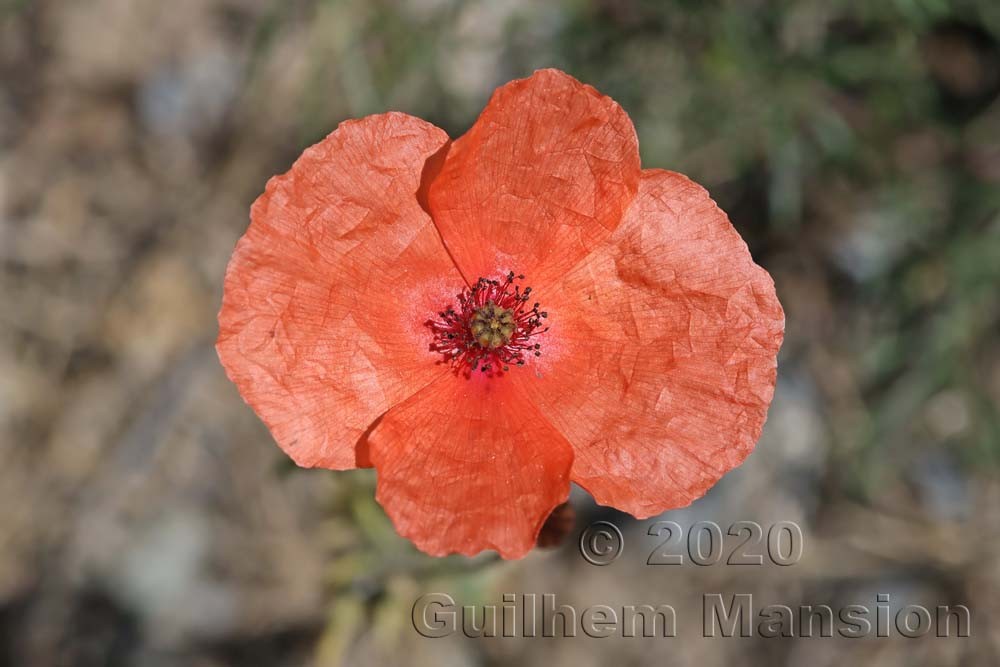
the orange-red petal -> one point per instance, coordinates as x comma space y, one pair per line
468, 465
539, 181
325, 295
664, 350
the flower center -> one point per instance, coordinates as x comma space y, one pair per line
492, 326
490, 329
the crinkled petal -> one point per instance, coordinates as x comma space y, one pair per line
325, 295
468, 465
664, 350
539, 181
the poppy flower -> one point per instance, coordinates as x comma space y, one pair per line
489, 319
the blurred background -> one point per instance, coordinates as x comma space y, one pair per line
146, 517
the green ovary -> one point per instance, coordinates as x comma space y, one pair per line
492, 326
